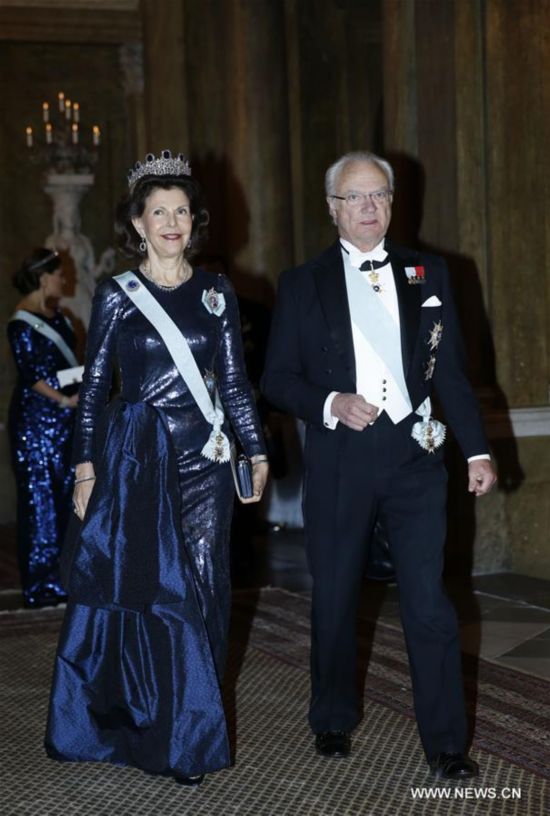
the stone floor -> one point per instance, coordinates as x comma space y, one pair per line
504, 617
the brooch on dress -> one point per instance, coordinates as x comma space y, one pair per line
415, 274
213, 302
210, 381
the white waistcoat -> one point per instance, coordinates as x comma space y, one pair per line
377, 341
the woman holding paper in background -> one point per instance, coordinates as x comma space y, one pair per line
41, 419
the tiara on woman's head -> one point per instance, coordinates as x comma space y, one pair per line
43, 261
165, 165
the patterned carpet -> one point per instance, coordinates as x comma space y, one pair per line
276, 772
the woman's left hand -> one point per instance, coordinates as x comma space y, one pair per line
260, 472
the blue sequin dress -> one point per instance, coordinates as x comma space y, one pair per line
40, 434
143, 644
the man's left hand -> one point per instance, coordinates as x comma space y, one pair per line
481, 476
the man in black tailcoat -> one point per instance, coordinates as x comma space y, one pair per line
360, 337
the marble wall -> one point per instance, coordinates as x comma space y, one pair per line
467, 115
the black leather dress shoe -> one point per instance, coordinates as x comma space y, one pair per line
190, 781
453, 766
333, 743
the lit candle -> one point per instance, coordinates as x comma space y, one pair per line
76, 112
96, 135
68, 108
28, 131
61, 100
49, 133
45, 112
74, 129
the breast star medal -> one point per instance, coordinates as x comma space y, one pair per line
428, 374
435, 335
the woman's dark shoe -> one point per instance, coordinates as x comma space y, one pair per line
43, 601
190, 781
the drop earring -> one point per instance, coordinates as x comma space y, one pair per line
143, 246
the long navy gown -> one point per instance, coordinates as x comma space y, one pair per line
142, 648
40, 434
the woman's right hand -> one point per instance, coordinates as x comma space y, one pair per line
81, 497
83, 489
73, 401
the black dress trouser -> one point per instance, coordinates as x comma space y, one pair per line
350, 477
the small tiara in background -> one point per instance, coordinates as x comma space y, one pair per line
43, 261
165, 165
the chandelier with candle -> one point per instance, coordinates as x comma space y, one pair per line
61, 144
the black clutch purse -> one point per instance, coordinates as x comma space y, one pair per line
242, 475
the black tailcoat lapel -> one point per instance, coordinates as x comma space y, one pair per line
408, 298
331, 287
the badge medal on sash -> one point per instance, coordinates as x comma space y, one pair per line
429, 433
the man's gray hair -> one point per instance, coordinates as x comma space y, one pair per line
333, 173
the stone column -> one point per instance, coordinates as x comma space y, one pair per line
518, 169
517, 48
399, 59
258, 141
219, 93
165, 74
434, 133
467, 97
238, 127
131, 63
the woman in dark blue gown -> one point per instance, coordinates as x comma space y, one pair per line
41, 421
142, 649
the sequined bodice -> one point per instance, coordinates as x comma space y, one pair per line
121, 335
36, 356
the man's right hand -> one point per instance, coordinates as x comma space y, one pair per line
354, 411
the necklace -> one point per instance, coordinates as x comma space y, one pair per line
145, 272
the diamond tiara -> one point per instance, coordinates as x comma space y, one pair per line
165, 165
43, 261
